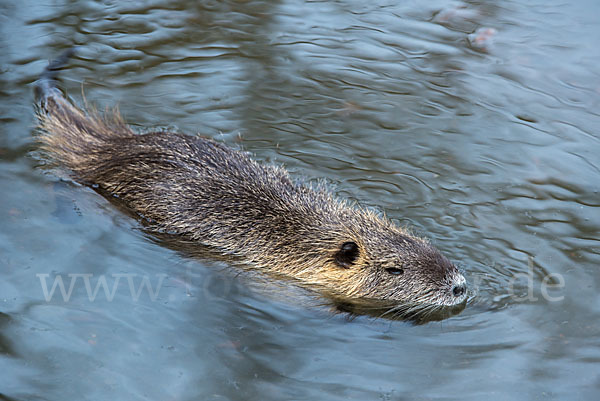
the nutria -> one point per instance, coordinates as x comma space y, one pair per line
207, 192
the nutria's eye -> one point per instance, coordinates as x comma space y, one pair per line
347, 254
395, 271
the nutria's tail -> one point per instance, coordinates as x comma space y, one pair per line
45, 88
70, 136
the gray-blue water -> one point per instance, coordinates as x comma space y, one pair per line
476, 123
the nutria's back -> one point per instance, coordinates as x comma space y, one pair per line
217, 196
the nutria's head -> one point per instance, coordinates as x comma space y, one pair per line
378, 261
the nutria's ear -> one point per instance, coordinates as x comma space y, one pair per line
347, 254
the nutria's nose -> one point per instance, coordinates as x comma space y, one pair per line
459, 290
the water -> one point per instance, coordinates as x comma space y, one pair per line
486, 143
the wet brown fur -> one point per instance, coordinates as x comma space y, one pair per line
209, 193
